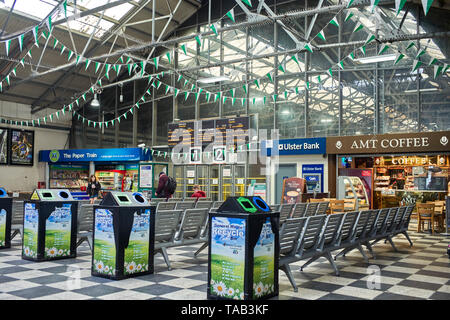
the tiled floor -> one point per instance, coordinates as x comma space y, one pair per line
418, 272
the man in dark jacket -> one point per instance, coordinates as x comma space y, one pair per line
161, 191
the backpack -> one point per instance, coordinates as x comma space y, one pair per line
171, 185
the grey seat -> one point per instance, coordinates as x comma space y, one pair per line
165, 206
17, 218
175, 199
185, 205
166, 225
322, 207
299, 210
203, 204
402, 227
285, 212
85, 224
311, 209
274, 207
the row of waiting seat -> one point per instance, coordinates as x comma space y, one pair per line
301, 209
318, 236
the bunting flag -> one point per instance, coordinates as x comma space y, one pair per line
399, 6
341, 64
446, 66
14, 72
156, 61
358, 27
373, 4
245, 87
176, 92
274, 97
308, 47
179, 78
264, 99
141, 64
118, 67
97, 65
242, 101
70, 55
224, 98
416, 65
433, 61
399, 56
349, 3
167, 89
281, 68
420, 53
55, 43
269, 75
62, 49
233, 101
65, 8
363, 50
168, 57
410, 45
183, 47
247, 2
426, 5
20, 38
208, 96
369, 39
78, 60
233, 91
257, 83
334, 22
330, 72
319, 78
214, 29
230, 14
216, 96
295, 58
186, 95
198, 38
383, 48
307, 85
437, 70
348, 15
321, 35
49, 23
8, 45
35, 33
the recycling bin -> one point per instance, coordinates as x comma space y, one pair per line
5, 219
243, 250
49, 225
124, 228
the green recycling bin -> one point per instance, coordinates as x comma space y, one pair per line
243, 250
124, 227
5, 219
49, 225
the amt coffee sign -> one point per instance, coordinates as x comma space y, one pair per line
395, 143
289, 147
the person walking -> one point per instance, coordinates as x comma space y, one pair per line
93, 189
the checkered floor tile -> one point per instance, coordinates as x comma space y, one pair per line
418, 272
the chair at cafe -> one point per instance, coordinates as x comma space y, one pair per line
425, 212
337, 206
350, 204
439, 213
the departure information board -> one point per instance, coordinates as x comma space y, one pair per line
208, 131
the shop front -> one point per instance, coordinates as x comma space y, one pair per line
116, 169
388, 170
303, 158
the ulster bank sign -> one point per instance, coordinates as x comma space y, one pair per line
290, 147
390, 143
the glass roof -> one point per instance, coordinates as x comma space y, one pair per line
39, 9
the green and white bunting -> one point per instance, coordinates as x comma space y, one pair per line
383, 48
334, 22
230, 14
399, 6
399, 56
426, 5
321, 35
416, 65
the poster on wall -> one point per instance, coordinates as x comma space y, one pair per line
227, 257
146, 176
137, 252
264, 263
104, 256
3, 146
30, 230
58, 228
22, 147
292, 190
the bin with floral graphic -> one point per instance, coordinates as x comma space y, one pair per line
123, 238
243, 250
49, 225
5, 219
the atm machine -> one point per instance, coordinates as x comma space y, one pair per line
49, 225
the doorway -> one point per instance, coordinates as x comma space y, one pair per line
284, 171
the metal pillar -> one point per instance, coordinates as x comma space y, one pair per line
135, 117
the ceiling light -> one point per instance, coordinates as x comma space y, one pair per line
326, 120
95, 102
285, 111
142, 145
213, 79
373, 59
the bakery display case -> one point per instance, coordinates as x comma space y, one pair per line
353, 188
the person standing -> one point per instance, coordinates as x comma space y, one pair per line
161, 191
93, 189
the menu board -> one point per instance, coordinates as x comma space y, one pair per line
292, 190
227, 257
204, 131
22, 147
3, 146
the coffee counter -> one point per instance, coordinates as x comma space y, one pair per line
392, 197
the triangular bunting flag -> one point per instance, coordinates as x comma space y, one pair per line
321, 35
426, 5
349, 3
35, 34
281, 68
363, 50
20, 38
214, 29
373, 4
437, 70
156, 61
183, 47
341, 64
186, 95
230, 14
348, 15
399, 6
330, 72
269, 75
369, 39
358, 27
308, 47
334, 22
8, 45
399, 56
62, 49
168, 57
410, 45
247, 2
198, 38
88, 62
257, 83
420, 53
383, 48
416, 65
